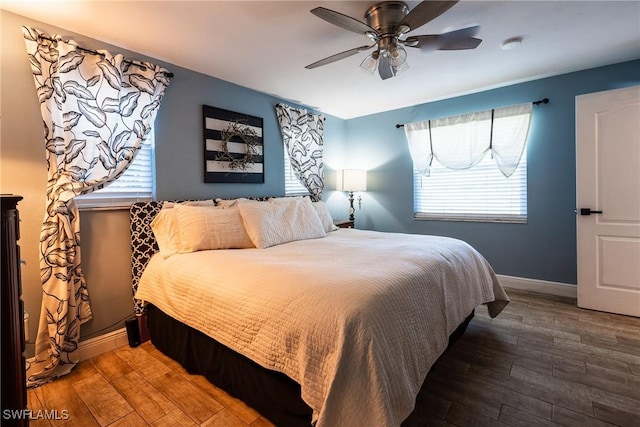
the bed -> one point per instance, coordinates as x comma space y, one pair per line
308, 324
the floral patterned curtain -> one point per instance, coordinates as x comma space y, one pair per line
302, 136
96, 108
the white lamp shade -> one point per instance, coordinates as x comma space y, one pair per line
351, 180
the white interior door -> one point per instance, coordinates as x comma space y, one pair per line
608, 200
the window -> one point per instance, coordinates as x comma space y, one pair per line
137, 183
481, 193
292, 185
471, 167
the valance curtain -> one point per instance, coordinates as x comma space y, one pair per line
459, 142
96, 109
302, 136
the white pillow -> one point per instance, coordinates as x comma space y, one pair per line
204, 228
165, 226
274, 222
325, 216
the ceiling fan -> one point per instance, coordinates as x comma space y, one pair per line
387, 24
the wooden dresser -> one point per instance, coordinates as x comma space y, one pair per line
14, 390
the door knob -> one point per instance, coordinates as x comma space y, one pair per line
588, 211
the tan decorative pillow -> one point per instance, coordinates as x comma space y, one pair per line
204, 228
230, 203
165, 226
280, 221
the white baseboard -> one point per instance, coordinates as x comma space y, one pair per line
102, 344
542, 286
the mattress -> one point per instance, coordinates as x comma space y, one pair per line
356, 318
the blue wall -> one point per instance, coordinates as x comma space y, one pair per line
545, 247
179, 137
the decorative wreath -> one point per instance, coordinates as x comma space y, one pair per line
249, 136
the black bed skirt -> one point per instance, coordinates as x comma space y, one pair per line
274, 395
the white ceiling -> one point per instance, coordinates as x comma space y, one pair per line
265, 45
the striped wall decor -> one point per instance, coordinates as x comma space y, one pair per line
218, 171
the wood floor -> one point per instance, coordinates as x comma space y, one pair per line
542, 362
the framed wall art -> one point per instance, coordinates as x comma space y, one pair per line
233, 147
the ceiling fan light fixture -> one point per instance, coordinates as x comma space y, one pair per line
370, 63
400, 68
397, 56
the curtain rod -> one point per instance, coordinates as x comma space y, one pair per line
94, 52
540, 101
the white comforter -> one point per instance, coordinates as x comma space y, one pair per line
356, 318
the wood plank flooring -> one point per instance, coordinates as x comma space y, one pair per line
541, 362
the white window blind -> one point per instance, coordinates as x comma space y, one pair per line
481, 193
472, 167
137, 183
292, 185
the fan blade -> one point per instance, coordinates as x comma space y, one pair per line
384, 67
454, 40
424, 42
342, 20
338, 56
465, 43
424, 12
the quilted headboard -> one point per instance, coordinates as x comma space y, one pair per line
143, 242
